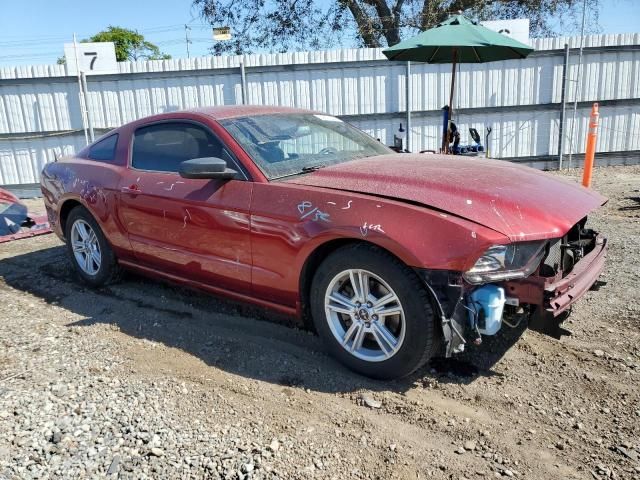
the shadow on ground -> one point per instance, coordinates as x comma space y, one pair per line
635, 204
236, 338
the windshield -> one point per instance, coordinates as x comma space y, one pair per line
290, 144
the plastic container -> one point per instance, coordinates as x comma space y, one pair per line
489, 300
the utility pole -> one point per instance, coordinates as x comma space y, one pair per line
186, 38
578, 81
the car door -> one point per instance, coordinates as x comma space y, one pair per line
194, 228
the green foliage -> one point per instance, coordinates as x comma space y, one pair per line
283, 25
129, 44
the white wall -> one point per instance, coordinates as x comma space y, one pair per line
40, 112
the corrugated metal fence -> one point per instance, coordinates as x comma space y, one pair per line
40, 111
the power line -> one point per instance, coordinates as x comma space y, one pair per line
34, 55
23, 43
22, 39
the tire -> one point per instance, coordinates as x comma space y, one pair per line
102, 267
368, 349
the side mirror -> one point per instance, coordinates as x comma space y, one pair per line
208, 167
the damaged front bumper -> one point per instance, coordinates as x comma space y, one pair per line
563, 293
553, 297
544, 301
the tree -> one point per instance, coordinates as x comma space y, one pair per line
129, 44
280, 25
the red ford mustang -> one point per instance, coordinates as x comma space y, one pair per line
393, 257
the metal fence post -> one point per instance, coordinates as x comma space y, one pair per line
563, 108
578, 84
408, 104
85, 93
81, 98
243, 82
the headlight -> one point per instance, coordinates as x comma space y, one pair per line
505, 262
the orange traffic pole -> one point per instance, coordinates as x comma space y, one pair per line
590, 152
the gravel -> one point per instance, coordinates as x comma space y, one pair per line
145, 380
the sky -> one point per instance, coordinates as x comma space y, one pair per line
34, 31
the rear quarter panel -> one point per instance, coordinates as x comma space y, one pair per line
92, 184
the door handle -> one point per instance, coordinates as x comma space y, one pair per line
133, 189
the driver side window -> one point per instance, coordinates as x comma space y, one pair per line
162, 147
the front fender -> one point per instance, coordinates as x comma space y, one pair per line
419, 236
289, 222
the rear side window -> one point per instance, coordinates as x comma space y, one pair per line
104, 150
164, 146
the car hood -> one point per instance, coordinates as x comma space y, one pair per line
520, 202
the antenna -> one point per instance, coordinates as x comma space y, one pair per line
186, 38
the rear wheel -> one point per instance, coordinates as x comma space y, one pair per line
372, 312
88, 249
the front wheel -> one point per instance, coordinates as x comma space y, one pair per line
373, 312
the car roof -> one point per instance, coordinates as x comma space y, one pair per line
232, 111
217, 113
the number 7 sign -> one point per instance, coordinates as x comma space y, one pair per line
92, 58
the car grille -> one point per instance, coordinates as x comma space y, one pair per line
565, 252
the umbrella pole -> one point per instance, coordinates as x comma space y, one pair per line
453, 83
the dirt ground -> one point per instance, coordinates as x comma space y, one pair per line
148, 380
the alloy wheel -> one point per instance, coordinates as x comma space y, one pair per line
86, 248
365, 315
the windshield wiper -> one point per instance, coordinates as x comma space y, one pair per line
302, 171
312, 168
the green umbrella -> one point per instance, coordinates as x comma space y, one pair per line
458, 40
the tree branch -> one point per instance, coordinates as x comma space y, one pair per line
365, 26
283, 25
390, 23
397, 10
